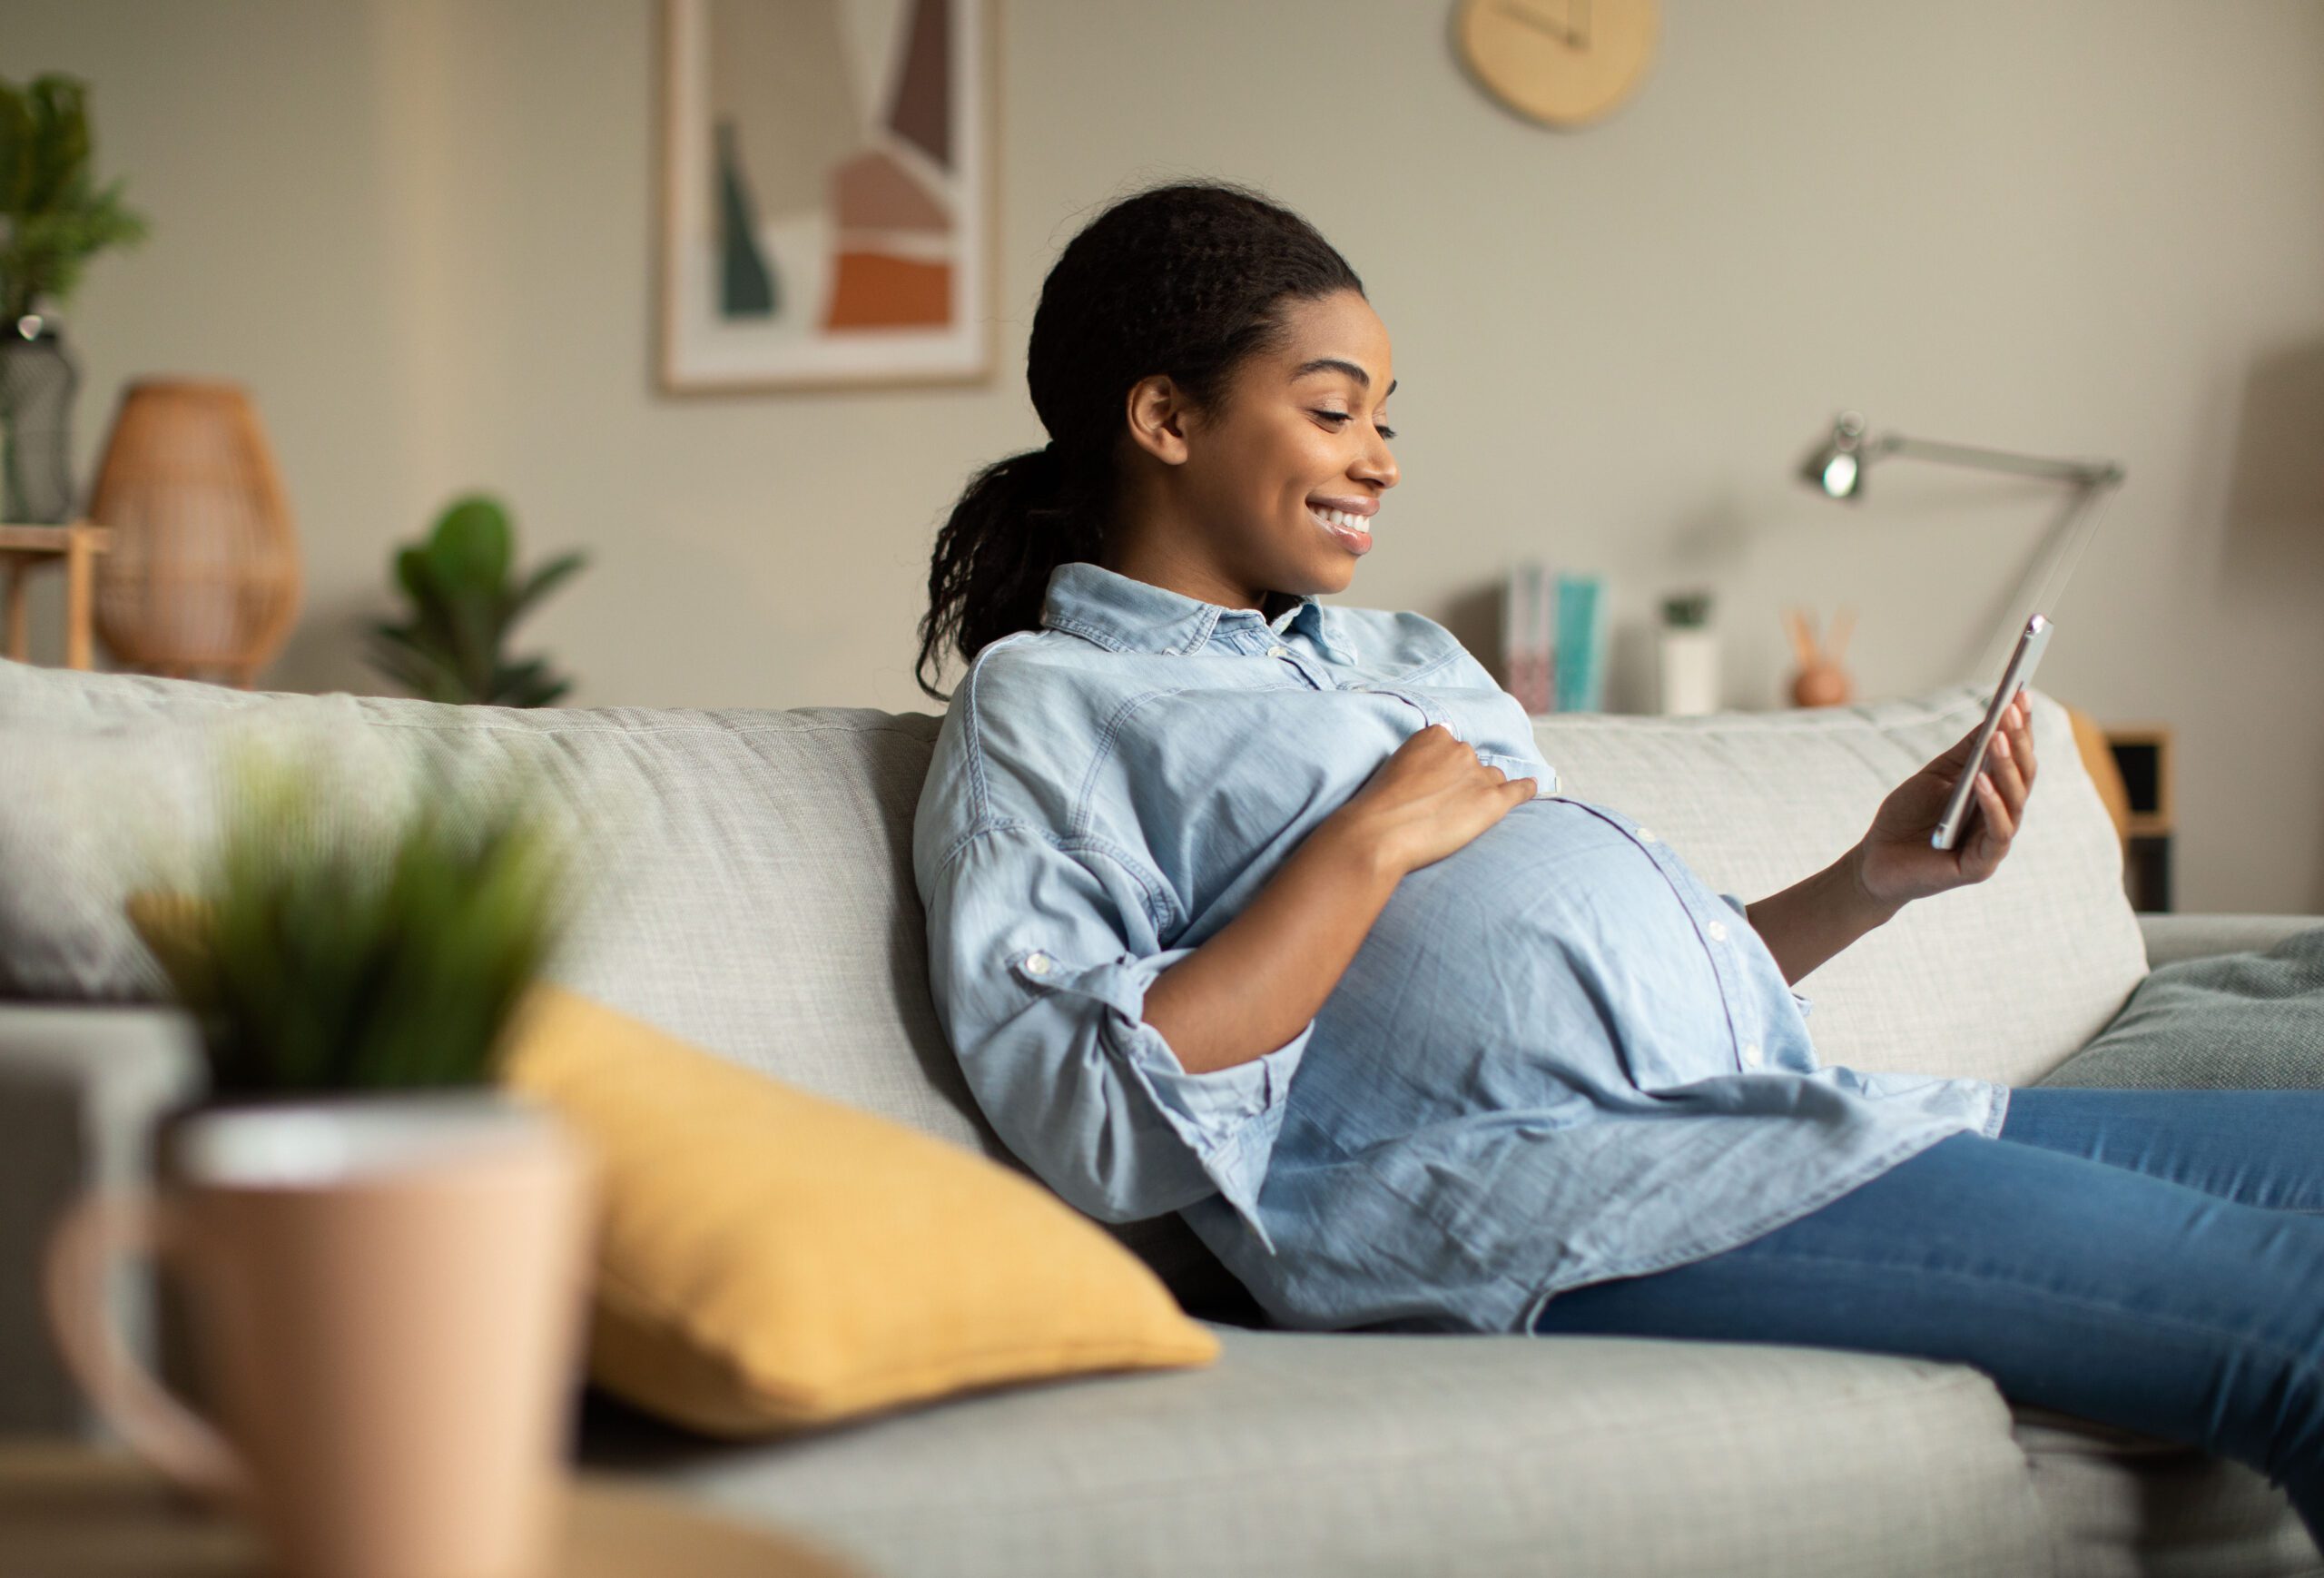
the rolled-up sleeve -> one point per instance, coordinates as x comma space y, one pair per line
1039, 958
1735, 902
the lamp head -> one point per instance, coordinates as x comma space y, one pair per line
1836, 466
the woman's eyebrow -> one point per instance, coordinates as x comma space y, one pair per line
1334, 364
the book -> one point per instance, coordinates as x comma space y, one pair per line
1528, 635
1580, 646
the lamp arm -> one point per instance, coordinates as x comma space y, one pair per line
2101, 474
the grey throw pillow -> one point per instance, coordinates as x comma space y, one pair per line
2229, 1022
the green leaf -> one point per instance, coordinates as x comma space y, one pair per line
473, 545
60, 170
545, 580
414, 660
16, 150
415, 573
333, 951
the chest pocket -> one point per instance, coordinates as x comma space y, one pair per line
1491, 723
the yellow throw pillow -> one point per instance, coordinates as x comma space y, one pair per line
771, 1260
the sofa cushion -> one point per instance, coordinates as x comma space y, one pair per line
1348, 1453
751, 870
2231, 1022
2002, 980
769, 1261
2121, 1505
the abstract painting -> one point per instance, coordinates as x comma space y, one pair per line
827, 204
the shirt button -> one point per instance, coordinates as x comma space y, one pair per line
1752, 1054
1277, 651
1717, 930
1038, 963
1646, 836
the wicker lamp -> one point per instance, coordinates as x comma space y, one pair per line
203, 571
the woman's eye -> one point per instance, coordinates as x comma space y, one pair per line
1343, 416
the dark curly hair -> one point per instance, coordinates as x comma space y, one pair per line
1187, 280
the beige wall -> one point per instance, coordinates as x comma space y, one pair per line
421, 231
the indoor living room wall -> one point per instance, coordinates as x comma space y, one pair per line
421, 233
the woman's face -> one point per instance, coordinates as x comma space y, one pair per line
1277, 490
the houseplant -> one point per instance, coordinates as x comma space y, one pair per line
385, 1258
53, 218
464, 598
326, 949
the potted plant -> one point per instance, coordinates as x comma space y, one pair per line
329, 950
53, 218
1687, 656
384, 1258
464, 598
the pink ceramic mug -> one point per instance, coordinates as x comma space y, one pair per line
387, 1296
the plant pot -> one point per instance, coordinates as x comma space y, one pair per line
388, 1295
1687, 669
36, 383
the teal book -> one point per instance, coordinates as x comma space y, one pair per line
1580, 666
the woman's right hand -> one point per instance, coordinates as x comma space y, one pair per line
1428, 799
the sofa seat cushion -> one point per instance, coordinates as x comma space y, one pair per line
1375, 1453
2125, 1505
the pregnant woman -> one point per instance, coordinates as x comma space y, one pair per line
1270, 913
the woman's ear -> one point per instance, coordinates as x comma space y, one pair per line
1158, 414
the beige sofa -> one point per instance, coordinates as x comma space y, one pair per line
756, 896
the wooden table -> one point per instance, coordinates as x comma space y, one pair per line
68, 1511
78, 545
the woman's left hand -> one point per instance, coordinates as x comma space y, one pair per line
1896, 864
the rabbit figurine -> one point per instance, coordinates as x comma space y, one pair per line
1820, 680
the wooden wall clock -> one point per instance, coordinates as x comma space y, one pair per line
1563, 62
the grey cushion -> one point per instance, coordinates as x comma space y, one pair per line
2002, 980
749, 873
2231, 1020
1351, 1453
2172, 937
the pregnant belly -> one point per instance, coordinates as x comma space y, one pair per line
1545, 967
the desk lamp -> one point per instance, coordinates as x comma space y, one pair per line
1836, 466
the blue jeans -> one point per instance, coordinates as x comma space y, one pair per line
2152, 1259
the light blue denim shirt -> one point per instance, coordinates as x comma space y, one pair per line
1559, 1056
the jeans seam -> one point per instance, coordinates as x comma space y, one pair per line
2300, 1361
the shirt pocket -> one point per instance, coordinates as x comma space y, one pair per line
1484, 721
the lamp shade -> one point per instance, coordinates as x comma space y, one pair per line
203, 568
1836, 464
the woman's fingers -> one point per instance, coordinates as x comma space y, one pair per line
2001, 826
2000, 761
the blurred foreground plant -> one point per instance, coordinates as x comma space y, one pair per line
328, 951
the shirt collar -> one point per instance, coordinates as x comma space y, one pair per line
1126, 614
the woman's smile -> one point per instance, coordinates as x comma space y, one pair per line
1342, 529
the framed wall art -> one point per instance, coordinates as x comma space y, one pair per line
828, 196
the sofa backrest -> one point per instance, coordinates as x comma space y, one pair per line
752, 884
2002, 980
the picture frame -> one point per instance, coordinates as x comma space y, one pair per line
829, 206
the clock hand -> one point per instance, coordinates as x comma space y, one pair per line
1542, 23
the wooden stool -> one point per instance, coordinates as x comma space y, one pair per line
24, 546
